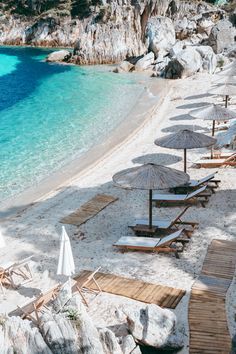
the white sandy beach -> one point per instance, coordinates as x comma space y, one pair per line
36, 231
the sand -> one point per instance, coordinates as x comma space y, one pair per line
36, 230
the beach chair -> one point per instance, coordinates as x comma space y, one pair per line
19, 269
209, 180
36, 306
218, 155
141, 226
82, 287
153, 244
213, 163
200, 195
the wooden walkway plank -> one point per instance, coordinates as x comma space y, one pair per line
208, 325
88, 210
163, 296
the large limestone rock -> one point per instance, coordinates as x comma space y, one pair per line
222, 36
88, 339
145, 62
124, 66
59, 334
129, 346
16, 334
160, 34
184, 28
186, 63
60, 55
209, 58
109, 341
153, 326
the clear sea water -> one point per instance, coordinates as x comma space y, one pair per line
50, 114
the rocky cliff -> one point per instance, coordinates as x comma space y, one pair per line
100, 31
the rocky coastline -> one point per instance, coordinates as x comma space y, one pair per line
172, 38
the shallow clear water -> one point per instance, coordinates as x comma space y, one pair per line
49, 113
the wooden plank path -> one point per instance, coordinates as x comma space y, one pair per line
89, 209
163, 296
208, 326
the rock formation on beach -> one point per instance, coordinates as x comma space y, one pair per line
68, 329
102, 31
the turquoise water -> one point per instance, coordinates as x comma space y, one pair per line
50, 114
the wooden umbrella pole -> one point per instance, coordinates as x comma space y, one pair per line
150, 208
226, 101
213, 133
213, 127
185, 160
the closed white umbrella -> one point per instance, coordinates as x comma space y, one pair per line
66, 265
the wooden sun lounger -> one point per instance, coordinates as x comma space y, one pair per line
140, 226
20, 269
82, 286
163, 244
211, 163
36, 306
218, 155
200, 195
193, 184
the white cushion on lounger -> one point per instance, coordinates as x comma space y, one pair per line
194, 183
137, 241
177, 197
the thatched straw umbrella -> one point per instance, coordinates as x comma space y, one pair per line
213, 112
224, 90
185, 139
150, 177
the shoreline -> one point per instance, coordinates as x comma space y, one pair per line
142, 111
37, 231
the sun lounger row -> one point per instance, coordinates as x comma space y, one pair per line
167, 229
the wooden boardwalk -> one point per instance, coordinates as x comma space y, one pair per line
89, 209
163, 296
207, 314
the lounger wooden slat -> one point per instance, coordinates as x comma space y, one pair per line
215, 163
89, 210
36, 306
207, 314
135, 289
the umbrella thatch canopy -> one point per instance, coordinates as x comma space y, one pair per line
185, 139
213, 112
148, 177
224, 90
